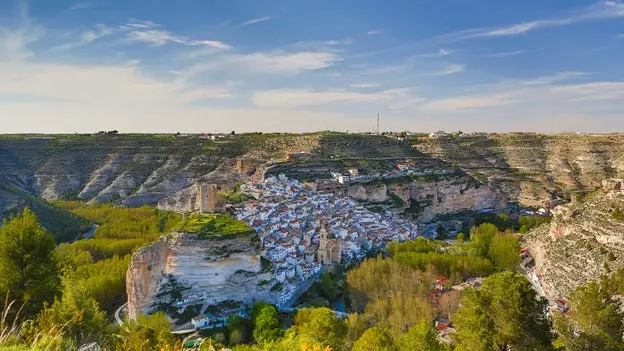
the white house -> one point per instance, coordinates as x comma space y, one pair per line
200, 321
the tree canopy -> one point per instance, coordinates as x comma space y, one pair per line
28, 265
504, 313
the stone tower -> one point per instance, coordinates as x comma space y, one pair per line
329, 251
323, 255
207, 195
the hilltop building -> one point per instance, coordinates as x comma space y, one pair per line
207, 196
329, 251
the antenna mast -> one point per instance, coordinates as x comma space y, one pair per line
377, 123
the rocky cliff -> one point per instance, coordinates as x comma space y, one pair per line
528, 168
427, 198
584, 240
132, 170
220, 269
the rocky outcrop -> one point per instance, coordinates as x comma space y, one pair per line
144, 275
583, 241
371, 193
133, 170
220, 269
425, 199
528, 168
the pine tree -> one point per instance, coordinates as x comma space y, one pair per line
28, 265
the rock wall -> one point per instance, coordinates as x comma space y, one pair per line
222, 269
428, 199
144, 275
528, 168
582, 242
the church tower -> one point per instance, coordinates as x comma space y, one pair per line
323, 253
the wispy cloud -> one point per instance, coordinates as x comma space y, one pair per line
506, 54
156, 35
620, 36
255, 20
275, 63
292, 98
602, 10
593, 90
457, 104
374, 32
88, 37
451, 69
364, 85
79, 6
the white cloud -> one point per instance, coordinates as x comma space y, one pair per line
156, 35
255, 20
620, 36
506, 54
462, 103
592, 91
602, 10
451, 69
557, 77
88, 37
374, 32
292, 98
268, 62
364, 85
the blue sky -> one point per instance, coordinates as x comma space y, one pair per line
304, 65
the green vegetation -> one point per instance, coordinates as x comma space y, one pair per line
503, 314
67, 293
618, 214
266, 323
597, 318
214, 225
78, 286
27, 264
61, 223
146, 223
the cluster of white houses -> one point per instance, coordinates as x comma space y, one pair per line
302, 228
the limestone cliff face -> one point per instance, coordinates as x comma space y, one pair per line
583, 241
529, 167
222, 269
144, 275
427, 199
372, 193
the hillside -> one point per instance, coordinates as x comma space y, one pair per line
528, 168
137, 169
133, 170
584, 240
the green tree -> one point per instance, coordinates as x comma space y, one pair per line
481, 238
505, 252
266, 323
328, 289
356, 326
319, 326
151, 332
240, 330
420, 337
79, 315
375, 339
28, 265
503, 314
596, 321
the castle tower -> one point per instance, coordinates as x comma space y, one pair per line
207, 196
212, 197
